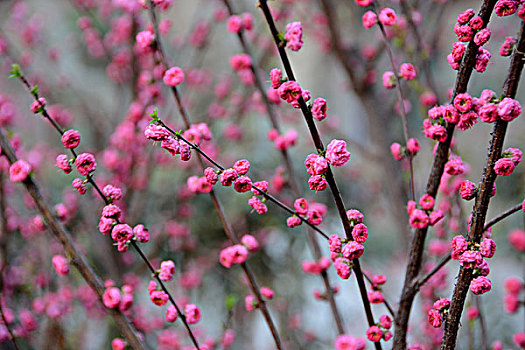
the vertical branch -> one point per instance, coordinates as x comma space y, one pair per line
479, 211
218, 207
77, 258
320, 147
417, 245
292, 180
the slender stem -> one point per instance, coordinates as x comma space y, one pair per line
77, 258
479, 211
6, 324
320, 147
401, 98
92, 181
218, 207
417, 245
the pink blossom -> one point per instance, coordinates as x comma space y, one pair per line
319, 109
480, 285
436, 132
242, 184
504, 166
506, 7
240, 62
516, 239
315, 164
259, 206
289, 91
250, 303
158, 297
228, 176
468, 190
413, 146
482, 37
315, 216
353, 250
476, 22
354, 216
234, 24
360, 233
293, 221
78, 185
450, 114
387, 17
465, 16
513, 153
470, 259
419, 219
346, 342
385, 321
507, 47
192, 313
167, 269
211, 176
276, 76
454, 166
407, 71
111, 211
85, 163
63, 164
111, 297
294, 36
145, 39
262, 186
335, 243
60, 264
369, 19
463, 102
171, 314
173, 76
71, 139
487, 247
375, 297
509, 109
112, 192
427, 202
122, 233
441, 303
374, 334
467, 120
488, 113
317, 183
435, 216
336, 153
342, 266
267, 292
434, 318
411, 205
105, 225
397, 151
242, 166
459, 246
19, 170
141, 233
250, 243
389, 80
36, 107
301, 206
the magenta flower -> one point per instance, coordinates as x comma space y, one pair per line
19, 170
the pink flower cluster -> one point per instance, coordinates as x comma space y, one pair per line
242, 64
381, 330
375, 294
121, 233
436, 314
346, 342
505, 8
422, 215
406, 71
19, 171
314, 213
294, 36
316, 165
250, 302
399, 152
482, 58
472, 257
238, 253
283, 142
114, 297
156, 132
387, 17
510, 159
513, 288
469, 26
236, 24
316, 267
507, 46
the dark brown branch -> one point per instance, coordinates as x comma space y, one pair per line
77, 258
479, 211
417, 245
320, 147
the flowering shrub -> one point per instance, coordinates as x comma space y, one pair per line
268, 156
